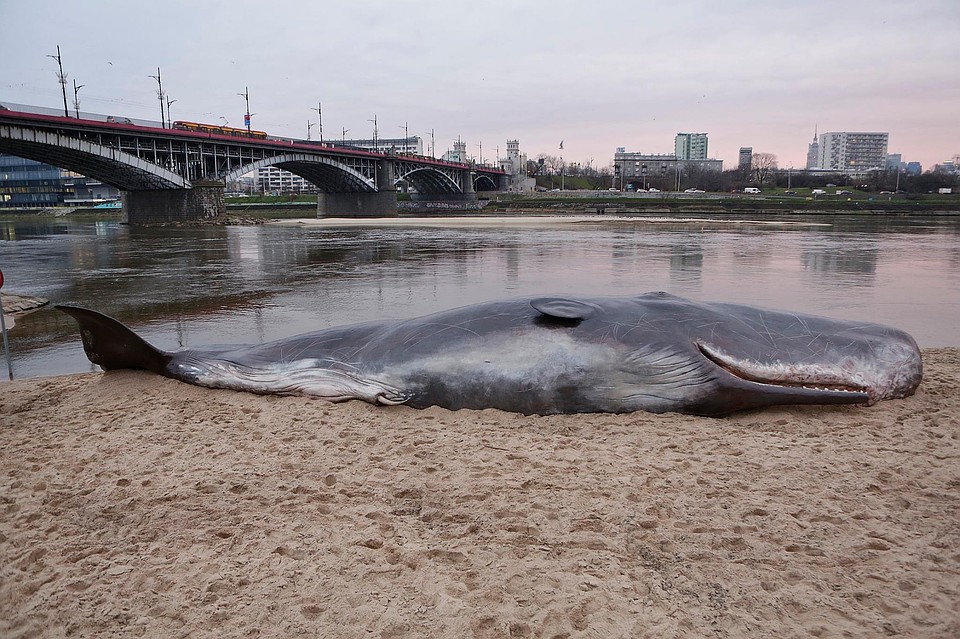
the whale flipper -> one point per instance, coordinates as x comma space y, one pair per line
111, 345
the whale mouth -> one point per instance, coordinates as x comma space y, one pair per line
798, 378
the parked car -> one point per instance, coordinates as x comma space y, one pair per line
653, 190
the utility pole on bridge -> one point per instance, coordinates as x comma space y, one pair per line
376, 147
246, 96
76, 97
62, 77
319, 111
163, 122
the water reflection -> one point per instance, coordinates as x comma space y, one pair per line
249, 284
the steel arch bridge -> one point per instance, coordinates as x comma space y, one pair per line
137, 158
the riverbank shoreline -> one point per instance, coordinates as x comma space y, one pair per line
137, 504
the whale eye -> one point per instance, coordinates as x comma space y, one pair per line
564, 308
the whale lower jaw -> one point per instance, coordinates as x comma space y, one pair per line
803, 379
309, 377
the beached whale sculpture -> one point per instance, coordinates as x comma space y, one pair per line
654, 352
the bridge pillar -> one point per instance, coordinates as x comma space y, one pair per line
468, 188
381, 203
203, 202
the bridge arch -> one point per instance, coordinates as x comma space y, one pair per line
485, 183
429, 180
327, 175
111, 166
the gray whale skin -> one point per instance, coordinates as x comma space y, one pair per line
654, 352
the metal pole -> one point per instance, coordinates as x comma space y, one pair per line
319, 111
63, 81
246, 96
433, 145
376, 147
169, 117
76, 97
163, 122
6, 344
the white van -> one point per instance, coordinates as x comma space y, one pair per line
751, 189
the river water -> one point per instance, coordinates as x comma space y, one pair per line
248, 284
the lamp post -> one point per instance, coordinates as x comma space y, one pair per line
343, 136
309, 125
163, 124
169, 117
319, 111
406, 134
76, 97
62, 77
246, 117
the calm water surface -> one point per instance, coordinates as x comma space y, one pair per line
219, 285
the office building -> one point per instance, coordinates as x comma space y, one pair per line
853, 151
690, 146
412, 144
273, 179
746, 157
634, 171
28, 183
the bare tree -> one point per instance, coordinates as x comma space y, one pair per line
764, 165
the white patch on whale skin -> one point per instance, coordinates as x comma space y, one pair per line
312, 377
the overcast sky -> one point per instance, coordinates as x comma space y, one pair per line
597, 74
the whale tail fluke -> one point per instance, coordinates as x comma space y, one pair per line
111, 345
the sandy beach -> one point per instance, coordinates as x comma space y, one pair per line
135, 505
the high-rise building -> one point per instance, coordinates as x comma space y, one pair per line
691, 146
813, 152
746, 157
853, 151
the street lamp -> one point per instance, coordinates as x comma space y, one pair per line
76, 97
246, 117
309, 126
169, 117
343, 136
62, 77
163, 124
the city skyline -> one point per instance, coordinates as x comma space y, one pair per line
618, 75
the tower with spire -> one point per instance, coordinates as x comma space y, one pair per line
813, 151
